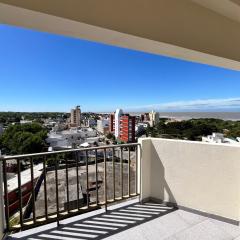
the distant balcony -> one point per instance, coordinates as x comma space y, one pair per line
175, 190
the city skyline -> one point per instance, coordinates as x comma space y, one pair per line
42, 72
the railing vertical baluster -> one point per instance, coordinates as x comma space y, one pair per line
129, 172
56, 181
119, 154
33, 191
121, 171
77, 162
87, 190
96, 165
6, 200
105, 179
20, 191
67, 185
136, 170
113, 172
45, 187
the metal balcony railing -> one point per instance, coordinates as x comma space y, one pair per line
60, 184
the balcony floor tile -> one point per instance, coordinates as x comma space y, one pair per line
131, 220
205, 230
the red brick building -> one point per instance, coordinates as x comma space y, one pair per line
127, 127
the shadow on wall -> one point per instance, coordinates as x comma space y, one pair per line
159, 186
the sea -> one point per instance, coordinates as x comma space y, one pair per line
234, 116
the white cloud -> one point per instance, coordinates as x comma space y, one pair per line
201, 104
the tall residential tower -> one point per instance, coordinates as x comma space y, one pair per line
154, 118
122, 126
76, 117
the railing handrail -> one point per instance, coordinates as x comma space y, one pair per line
17, 197
67, 151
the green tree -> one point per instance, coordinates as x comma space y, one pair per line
110, 136
21, 139
194, 129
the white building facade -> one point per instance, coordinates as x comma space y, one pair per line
154, 118
102, 125
118, 114
68, 138
219, 138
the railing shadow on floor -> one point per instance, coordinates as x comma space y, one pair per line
105, 224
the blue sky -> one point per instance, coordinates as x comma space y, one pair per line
45, 72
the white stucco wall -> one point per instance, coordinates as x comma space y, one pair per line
201, 176
2, 217
144, 168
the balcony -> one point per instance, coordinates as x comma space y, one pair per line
186, 190
156, 189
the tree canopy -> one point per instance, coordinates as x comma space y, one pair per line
23, 139
194, 129
14, 117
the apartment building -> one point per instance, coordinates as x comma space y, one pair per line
75, 119
153, 118
112, 123
103, 126
122, 126
127, 128
145, 117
